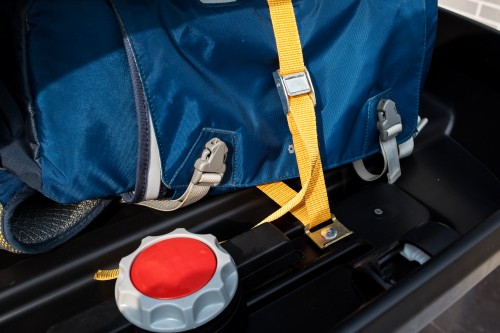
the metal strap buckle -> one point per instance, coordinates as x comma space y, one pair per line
291, 85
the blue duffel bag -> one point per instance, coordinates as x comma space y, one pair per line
129, 97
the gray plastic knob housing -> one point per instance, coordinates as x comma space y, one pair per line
182, 314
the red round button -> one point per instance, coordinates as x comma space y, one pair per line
173, 268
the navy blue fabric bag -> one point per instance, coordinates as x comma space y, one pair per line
94, 92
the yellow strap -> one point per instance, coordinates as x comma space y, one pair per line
106, 274
3, 243
287, 36
310, 204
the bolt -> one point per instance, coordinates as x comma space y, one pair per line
378, 211
329, 233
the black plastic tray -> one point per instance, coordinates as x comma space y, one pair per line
447, 201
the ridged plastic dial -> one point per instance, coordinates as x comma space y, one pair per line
175, 282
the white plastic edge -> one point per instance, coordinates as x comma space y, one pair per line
154, 168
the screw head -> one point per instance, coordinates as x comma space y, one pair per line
329, 233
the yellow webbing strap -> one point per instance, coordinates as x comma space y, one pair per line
310, 204
3, 243
106, 274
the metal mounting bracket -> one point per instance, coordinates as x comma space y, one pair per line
327, 235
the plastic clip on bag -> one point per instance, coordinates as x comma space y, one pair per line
126, 97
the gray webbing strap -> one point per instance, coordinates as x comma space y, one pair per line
389, 125
389, 150
208, 171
